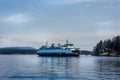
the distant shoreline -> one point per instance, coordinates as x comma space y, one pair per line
107, 55
18, 50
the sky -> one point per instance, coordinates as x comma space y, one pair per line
82, 22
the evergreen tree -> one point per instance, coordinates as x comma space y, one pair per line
110, 46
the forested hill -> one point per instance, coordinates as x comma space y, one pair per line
109, 47
18, 50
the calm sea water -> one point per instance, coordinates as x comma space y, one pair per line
32, 67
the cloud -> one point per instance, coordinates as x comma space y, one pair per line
77, 1
30, 39
84, 40
17, 42
80, 1
16, 18
96, 34
112, 7
109, 23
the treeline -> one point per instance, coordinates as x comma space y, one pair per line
109, 47
18, 50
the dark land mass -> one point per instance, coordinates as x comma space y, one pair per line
30, 50
18, 50
86, 52
109, 47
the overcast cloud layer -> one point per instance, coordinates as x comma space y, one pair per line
33, 22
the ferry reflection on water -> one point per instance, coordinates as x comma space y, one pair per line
32, 67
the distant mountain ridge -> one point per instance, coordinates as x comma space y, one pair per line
17, 50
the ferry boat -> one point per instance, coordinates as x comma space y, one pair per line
67, 49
